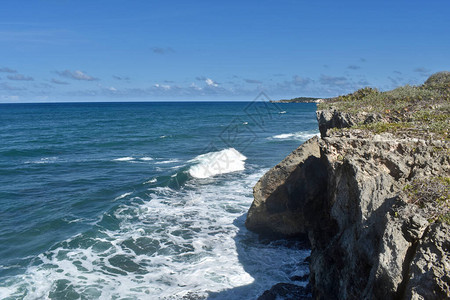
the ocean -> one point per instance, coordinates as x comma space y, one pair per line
142, 200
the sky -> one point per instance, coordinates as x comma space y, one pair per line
143, 50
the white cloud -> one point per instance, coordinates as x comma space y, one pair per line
195, 87
211, 82
162, 86
77, 75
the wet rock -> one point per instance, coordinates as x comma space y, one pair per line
286, 291
300, 278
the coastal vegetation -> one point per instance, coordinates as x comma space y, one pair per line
432, 195
411, 112
422, 111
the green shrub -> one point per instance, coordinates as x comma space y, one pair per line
421, 110
432, 194
438, 79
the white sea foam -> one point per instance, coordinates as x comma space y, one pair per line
127, 158
123, 196
178, 243
169, 161
301, 135
215, 163
44, 160
153, 180
146, 158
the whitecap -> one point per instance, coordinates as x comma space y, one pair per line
215, 163
170, 161
123, 196
146, 158
154, 180
127, 158
301, 135
44, 160
282, 112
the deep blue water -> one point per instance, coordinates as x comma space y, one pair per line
116, 200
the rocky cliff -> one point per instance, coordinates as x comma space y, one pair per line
374, 205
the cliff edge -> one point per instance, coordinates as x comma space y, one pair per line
372, 195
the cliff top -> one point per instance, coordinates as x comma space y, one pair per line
422, 110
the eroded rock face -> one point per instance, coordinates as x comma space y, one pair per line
429, 271
283, 194
328, 119
367, 241
374, 247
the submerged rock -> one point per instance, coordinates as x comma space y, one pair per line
286, 291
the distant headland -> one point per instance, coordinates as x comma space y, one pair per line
301, 100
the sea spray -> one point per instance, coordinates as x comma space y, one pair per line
215, 163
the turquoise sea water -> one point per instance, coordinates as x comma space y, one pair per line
141, 200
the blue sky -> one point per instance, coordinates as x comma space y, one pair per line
136, 50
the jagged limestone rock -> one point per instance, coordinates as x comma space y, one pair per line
429, 268
332, 118
283, 193
369, 254
368, 241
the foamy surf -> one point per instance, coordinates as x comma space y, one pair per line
146, 158
133, 159
127, 158
215, 163
165, 162
123, 196
301, 136
184, 244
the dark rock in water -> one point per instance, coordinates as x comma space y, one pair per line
193, 296
286, 291
300, 278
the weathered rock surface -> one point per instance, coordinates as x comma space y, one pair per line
328, 119
429, 272
367, 241
370, 253
283, 194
